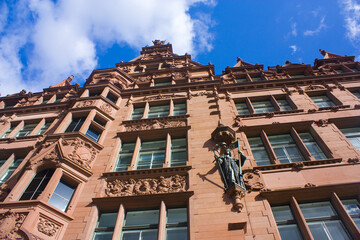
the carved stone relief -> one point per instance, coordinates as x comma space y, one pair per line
253, 181
154, 124
322, 122
119, 188
162, 96
10, 223
79, 151
6, 119
47, 226
85, 103
106, 108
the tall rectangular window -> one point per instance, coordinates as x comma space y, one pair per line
353, 135
10, 170
323, 221
176, 224
37, 185
26, 129
158, 111
151, 154
356, 93
75, 124
93, 133
178, 152
284, 104
179, 108
263, 106
242, 108
125, 156
137, 112
58, 99
105, 226
323, 101
8, 131
312, 146
352, 207
45, 127
62, 195
259, 152
112, 97
285, 148
140, 225
286, 223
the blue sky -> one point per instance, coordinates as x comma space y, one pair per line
43, 42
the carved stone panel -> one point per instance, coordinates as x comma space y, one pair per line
79, 151
253, 181
154, 124
120, 188
10, 223
47, 226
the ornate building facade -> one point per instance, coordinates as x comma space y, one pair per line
130, 155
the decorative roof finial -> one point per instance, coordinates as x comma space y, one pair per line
158, 42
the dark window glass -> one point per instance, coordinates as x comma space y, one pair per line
8, 131
286, 223
178, 152
93, 133
45, 127
256, 78
58, 99
263, 106
259, 152
75, 124
37, 185
158, 111
105, 226
176, 224
242, 108
112, 97
137, 112
141, 225
159, 83
179, 108
26, 129
323, 101
284, 105
125, 156
10, 170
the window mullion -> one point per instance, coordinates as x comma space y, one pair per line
135, 154
146, 110
51, 185
162, 222
347, 219
119, 223
304, 228
268, 148
85, 126
275, 103
306, 153
171, 108
16, 130
167, 151
250, 106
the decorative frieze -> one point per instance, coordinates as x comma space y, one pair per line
86, 103
130, 187
154, 124
47, 227
10, 223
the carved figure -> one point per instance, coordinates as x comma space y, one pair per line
10, 223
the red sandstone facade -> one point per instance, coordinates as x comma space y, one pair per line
131, 152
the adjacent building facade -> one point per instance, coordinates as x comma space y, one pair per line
130, 155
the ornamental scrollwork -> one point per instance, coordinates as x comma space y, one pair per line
47, 227
79, 151
10, 223
253, 181
120, 188
106, 108
86, 103
155, 124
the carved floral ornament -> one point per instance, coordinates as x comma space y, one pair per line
130, 187
76, 150
253, 181
10, 223
47, 226
86, 103
154, 124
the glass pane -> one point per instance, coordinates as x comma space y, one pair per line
158, 111
282, 213
125, 156
290, 232
107, 220
26, 129
352, 206
103, 235
75, 124
131, 235
353, 135
179, 109
242, 108
62, 195
337, 230
241, 80
135, 218
256, 79
263, 106
285, 148
44, 127
37, 185
149, 234
112, 98
162, 83
177, 215
323, 101
316, 210
259, 152
93, 134
284, 104
151, 155
137, 112
318, 231
178, 152
176, 233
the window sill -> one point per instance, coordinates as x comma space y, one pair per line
298, 165
269, 114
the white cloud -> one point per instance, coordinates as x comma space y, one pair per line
294, 48
352, 19
61, 38
321, 26
293, 29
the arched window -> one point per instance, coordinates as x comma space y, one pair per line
37, 185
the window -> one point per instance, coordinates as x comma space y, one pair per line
252, 106
112, 97
105, 226
339, 70
256, 78
62, 195
288, 148
159, 110
353, 135
160, 83
45, 100
356, 93
37, 185
352, 207
312, 145
151, 154
178, 152
241, 79
125, 156
93, 133
26, 129
58, 99
75, 124
297, 75
45, 127
176, 224
355, 69
323, 101
94, 93
285, 148
10, 170
8, 131
140, 225
321, 217
286, 223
